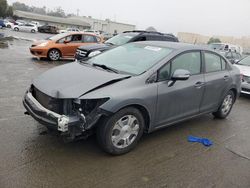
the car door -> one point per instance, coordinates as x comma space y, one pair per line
217, 79
63, 45
180, 99
21, 27
76, 41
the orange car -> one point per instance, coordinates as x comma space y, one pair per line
63, 45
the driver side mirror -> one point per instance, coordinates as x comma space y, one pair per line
66, 41
180, 74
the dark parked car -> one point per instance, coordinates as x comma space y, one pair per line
48, 29
85, 52
2, 25
134, 88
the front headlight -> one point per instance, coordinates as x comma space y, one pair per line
94, 53
245, 79
43, 44
86, 106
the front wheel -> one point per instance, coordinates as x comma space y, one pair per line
120, 133
33, 31
54, 55
225, 106
16, 29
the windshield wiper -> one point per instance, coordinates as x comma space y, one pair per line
105, 67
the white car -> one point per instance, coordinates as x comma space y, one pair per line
93, 31
244, 66
8, 24
69, 30
25, 27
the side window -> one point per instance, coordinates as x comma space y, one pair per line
164, 73
190, 61
76, 39
89, 38
142, 38
154, 38
68, 38
169, 39
212, 62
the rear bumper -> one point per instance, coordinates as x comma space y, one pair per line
47, 117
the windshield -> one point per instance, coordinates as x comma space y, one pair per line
121, 38
245, 61
57, 37
131, 58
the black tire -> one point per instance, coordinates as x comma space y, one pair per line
8, 26
16, 29
54, 55
223, 112
33, 30
105, 131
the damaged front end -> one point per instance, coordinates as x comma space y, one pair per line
73, 118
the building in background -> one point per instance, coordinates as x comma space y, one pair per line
81, 23
194, 38
52, 20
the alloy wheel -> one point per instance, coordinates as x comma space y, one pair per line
54, 55
227, 104
125, 131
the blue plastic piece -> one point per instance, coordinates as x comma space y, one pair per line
206, 142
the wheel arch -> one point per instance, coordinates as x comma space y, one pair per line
144, 111
54, 49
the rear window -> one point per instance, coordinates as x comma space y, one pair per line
214, 62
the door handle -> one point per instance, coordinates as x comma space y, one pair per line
199, 84
226, 77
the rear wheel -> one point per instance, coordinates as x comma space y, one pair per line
8, 26
54, 55
16, 29
225, 106
120, 133
33, 31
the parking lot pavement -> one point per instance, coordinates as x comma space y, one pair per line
25, 35
31, 158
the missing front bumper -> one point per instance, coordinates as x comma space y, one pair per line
47, 117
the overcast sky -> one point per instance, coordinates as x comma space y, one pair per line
209, 17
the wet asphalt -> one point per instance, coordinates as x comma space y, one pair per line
29, 157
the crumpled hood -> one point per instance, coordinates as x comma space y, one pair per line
245, 70
73, 80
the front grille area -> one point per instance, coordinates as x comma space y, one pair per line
80, 52
245, 89
55, 105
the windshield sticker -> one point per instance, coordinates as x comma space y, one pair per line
153, 48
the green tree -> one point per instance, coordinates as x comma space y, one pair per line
3, 8
20, 6
9, 12
213, 40
58, 12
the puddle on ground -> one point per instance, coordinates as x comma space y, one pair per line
5, 41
